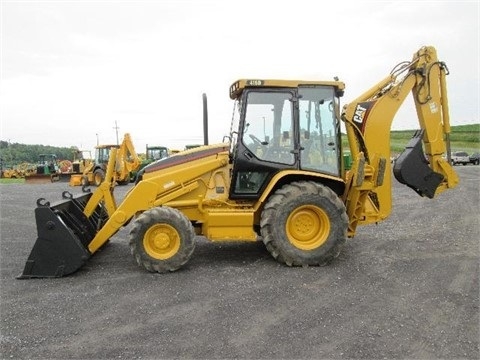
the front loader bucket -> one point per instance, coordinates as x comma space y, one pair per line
64, 233
411, 168
41, 178
64, 177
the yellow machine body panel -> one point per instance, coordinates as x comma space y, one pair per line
229, 225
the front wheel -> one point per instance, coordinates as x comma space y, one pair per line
162, 239
98, 177
84, 180
304, 223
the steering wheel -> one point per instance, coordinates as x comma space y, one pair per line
256, 140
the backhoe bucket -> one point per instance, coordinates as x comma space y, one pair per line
64, 233
411, 168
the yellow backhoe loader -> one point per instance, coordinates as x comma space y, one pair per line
126, 162
280, 178
81, 160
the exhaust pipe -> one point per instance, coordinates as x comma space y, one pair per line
205, 119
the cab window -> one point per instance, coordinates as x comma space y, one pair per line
268, 131
318, 130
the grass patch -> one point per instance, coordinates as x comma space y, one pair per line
462, 138
11, 181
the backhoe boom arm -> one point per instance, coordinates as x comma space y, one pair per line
368, 121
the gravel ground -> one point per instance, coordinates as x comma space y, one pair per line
407, 288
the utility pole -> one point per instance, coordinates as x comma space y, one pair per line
116, 130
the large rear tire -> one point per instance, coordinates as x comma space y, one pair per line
304, 224
162, 239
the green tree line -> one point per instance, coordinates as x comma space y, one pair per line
12, 154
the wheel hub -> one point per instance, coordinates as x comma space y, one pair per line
161, 241
304, 224
308, 227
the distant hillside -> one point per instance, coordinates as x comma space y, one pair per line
467, 128
462, 137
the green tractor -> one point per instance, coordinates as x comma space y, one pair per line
152, 153
47, 170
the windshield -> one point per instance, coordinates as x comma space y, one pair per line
268, 131
156, 154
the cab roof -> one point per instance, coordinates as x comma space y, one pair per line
238, 86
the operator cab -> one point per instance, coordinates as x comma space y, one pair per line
283, 125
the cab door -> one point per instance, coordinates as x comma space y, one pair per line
267, 140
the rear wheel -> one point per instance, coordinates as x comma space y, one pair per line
304, 223
162, 239
84, 180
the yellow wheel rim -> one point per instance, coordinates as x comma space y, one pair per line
161, 241
98, 179
308, 227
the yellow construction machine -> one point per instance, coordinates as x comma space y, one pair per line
19, 171
280, 178
82, 159
127, 161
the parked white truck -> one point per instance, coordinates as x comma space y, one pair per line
460, 157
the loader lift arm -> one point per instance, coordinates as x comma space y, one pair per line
368, 121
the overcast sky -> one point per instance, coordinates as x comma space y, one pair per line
71, 70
